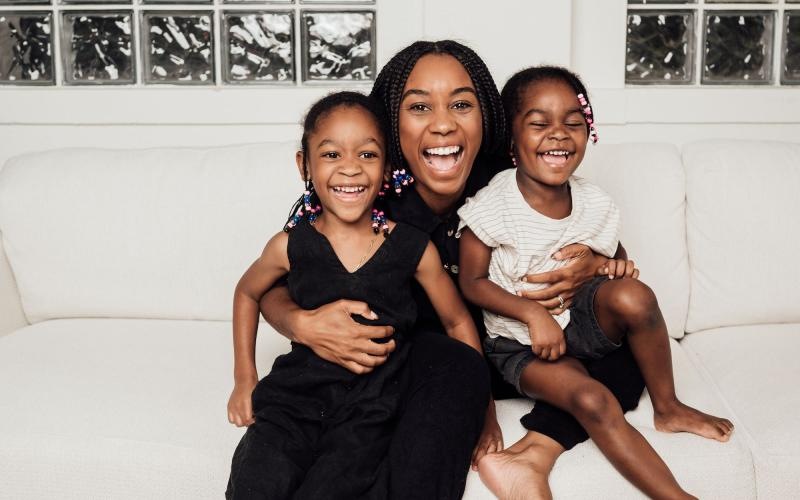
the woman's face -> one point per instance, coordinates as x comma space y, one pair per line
441, 128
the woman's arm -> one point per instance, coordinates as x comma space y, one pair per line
330, 330
582, 265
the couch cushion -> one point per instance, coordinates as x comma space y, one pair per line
756, 370
647, 183
124, 409
742, 202
158, 233
705, 468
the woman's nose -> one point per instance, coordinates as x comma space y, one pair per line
443, 122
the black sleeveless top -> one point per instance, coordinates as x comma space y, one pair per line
317, 276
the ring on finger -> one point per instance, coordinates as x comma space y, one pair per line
560, 302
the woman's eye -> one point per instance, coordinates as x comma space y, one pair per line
418, 107
462, 105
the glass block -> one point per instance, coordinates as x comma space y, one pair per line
183, 2
97, 47
660, 47
26, 48
741, 1
260, 1
338, 45
89, 2
258, 47
338, 1
737, 47
178, 47
652, 2
791, 47
25, 2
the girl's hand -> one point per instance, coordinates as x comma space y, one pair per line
240, 404
333, 335
491, 438
564, 282
619, 268
547, 338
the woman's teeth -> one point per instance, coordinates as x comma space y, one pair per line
442, 158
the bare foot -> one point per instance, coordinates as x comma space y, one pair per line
515, 475
681, 418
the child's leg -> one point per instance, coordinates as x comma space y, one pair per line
566, 384
629, 307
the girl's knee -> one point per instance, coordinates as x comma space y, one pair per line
594, 404
631, 300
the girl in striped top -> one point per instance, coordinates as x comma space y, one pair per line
511, 229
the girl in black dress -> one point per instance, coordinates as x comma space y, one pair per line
316, 429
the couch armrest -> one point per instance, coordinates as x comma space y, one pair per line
12, 316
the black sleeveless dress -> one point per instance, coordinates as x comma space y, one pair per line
322, 431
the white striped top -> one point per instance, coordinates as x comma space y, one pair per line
524, 240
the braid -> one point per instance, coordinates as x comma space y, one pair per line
516, 85
388, 90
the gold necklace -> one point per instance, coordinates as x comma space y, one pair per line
366, 254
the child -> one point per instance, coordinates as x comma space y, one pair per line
316, 429
512, 227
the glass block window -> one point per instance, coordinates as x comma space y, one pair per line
338, 45
187, 42
712, 42
26, 47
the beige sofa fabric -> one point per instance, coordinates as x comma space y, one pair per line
11, 315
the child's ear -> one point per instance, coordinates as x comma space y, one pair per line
298, 159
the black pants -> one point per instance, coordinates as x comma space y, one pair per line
618, 371
329, 436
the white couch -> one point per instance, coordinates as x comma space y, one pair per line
117, 270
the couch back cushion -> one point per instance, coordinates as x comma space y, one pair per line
743, 199
159, 233
647, 182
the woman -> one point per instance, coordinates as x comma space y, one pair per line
448, 130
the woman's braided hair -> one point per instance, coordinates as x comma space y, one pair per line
517, 84
388, 90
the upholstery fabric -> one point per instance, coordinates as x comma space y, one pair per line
118, 408
583, 472
647, 183
742, 231
159, 233
755, 369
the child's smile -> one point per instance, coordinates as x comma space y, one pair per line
550, 134
345, 160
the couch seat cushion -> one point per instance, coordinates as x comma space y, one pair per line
123, 409
756, 370
705, 468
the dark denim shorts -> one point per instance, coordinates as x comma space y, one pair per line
585, 339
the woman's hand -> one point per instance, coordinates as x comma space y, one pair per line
333, 335
240, 404
491, 438
582, 266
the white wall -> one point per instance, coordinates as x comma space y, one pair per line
588, 35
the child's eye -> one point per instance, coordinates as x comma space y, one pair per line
575, 124
330, 154
369, 155
538, 124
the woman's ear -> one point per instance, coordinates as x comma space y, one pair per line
299, 157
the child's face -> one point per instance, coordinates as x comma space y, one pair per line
346, 162
549, 132
441, 125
